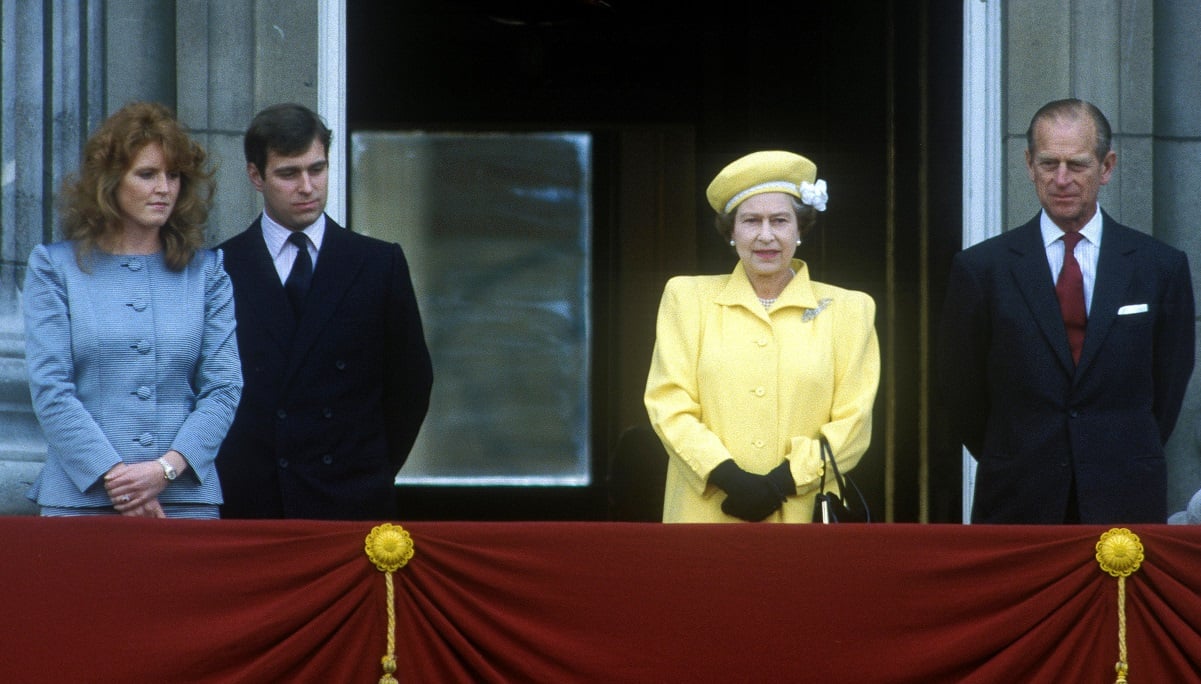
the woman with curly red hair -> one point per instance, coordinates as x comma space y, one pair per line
129, 327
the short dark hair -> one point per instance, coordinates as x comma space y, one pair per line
286, 129
1073, 108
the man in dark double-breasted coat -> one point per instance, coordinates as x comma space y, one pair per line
336, 370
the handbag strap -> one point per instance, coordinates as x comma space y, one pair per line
828, 458
843, 482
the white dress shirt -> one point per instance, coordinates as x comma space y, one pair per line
282, 252
1087, 251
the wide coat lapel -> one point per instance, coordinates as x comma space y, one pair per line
1033, 279
260, 287
1114, 272
338, 263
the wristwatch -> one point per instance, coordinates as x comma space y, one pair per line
168, 469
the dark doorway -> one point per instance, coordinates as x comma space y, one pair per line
672, 91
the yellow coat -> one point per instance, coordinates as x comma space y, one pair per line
729, 379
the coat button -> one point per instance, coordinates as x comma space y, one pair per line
281, 414
327, 412
759, 391
283, 463
327, 459
340, 364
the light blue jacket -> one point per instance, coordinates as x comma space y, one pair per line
125, 362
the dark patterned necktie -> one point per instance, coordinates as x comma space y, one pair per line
298, 280
1070, 290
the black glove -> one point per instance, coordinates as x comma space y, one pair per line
751, 497
781, 478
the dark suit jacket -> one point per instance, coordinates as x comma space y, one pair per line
333, 402
1032, 419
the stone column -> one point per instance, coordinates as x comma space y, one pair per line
43, 123
1177, 175
141, 68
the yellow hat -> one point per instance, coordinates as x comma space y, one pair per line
769, 171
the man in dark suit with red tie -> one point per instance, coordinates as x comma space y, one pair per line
336, 370
1066, 345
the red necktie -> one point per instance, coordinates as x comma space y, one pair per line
1070, 289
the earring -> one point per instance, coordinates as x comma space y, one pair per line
731, 243
799, 241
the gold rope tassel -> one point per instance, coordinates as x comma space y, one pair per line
389, 547
1120, 554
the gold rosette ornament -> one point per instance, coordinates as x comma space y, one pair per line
389, 547
1120, 554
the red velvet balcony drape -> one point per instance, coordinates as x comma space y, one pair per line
113, 600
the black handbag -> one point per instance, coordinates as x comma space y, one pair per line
848, 505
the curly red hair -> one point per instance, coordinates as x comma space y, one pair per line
89, 199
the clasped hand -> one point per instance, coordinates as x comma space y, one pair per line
134, 489
752, 497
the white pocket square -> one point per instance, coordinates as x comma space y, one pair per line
1132, 309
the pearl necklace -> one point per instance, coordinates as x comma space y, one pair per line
767, 303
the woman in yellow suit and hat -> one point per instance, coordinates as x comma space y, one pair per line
750, 370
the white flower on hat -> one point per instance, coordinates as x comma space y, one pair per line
814, 194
